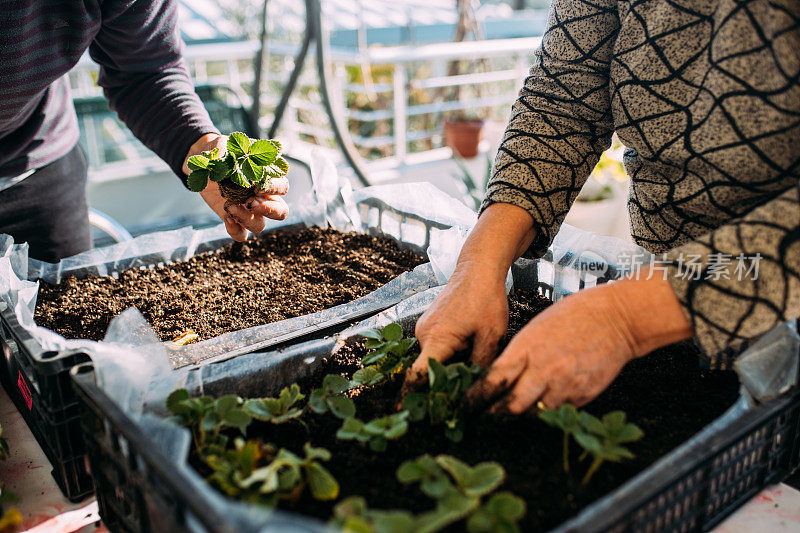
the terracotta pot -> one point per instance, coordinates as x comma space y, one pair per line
463, 136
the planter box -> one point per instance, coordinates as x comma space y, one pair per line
144, 482
38, 381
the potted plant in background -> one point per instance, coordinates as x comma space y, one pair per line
463, 132
463, 128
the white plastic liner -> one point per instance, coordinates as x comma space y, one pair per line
260, 373
330, 203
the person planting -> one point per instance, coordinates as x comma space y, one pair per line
706, 100
43, 171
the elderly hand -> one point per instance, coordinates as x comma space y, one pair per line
239, 219
473, 306
572, 351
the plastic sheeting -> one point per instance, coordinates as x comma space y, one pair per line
263, 374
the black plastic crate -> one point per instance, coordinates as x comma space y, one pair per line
38, 381
693, 488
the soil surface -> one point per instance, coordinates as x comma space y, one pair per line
279, 275
665, 394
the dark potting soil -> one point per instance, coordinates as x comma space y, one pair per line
279, 275
665, 393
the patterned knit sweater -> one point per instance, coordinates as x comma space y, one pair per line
705, 95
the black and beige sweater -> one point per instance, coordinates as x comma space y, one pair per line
705, 95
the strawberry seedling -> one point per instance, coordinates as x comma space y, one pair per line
441, 404
603, 439
375, 432
568, 421
247, 167
276, 410
329, 397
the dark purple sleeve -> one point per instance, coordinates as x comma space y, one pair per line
145, 79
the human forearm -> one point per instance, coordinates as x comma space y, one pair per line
502, 234
145, 79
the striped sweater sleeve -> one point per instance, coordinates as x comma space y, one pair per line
561, 123
145, 79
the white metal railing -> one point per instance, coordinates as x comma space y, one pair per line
417, 73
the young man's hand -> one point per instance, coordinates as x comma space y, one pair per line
572, 351
239, 219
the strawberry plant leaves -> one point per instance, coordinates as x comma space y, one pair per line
238, 144
341, 406
198, 162
263, 152
392, 332
321, 483
253, 172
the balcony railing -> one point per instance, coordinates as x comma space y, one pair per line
405, 104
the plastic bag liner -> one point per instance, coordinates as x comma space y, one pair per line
266, 374
397, 211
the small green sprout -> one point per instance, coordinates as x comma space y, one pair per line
458, 489
441, 404
230, 466
368, 376
375, 432
206, 417
567, 420
351, 515
389, 351
288, 475
249, 165
276, 410
603, 439
500, 514
329, 397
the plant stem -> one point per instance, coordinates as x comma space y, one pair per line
592, 469
566, 452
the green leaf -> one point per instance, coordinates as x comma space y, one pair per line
484, 478
277, 144
316, 401
437, 374
352, 429
372, 334
617, 453
218, 170
368, 376
197, 180
593, 424
628, 433
335, 384
253, 172
226, 403
392, 332
237, 418
341, 406
198, 162
378, 444
416, 404
261, 408
277, 169
240, 179
322, 484
238, 144
507, 506
175, 399
589, 442
263, 152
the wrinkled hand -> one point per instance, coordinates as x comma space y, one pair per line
239, 219
473, 306
573, 350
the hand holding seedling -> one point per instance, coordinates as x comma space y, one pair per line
572, 351
239, 219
